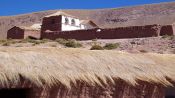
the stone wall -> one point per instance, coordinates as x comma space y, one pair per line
113, 33
32, 33
51, 31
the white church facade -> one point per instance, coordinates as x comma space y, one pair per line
70, 23
61, 21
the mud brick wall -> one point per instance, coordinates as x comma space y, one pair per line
128, 32
78, 34
52, 23
166, 30
32, 33
15, 33
114, 33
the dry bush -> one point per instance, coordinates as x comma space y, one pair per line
6, 44
69, 43
73, 43
97, 47
61, 41
110, 46
170, 37
143, 51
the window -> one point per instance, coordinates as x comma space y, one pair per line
72, 22
66, 21
53, 21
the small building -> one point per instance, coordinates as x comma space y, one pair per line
46, 73
22, 32
61, 21
167, 30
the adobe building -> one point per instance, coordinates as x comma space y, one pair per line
61, 21
22, 32
167, 30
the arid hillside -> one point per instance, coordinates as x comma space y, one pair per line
163, 13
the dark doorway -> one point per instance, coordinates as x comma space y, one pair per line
14, 93
170, 92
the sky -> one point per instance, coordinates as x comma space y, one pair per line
14, 7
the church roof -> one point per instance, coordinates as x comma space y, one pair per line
85, 22
37, 26
60, 13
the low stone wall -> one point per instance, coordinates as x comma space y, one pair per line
113, 33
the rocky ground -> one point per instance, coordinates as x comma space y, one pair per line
164, 44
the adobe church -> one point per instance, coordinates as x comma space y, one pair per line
61, 21
57, 22
63, 25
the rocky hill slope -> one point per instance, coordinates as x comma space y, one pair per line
163, 13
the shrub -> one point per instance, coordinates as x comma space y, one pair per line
69, 43
61, 41
6, 44
73, 43
143, 51
96, 47
18, 46
28, 40
2, 41
133, 42
44, 40
34, 41
170, 37
53, 45
110, 46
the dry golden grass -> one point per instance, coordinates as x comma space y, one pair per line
53, 66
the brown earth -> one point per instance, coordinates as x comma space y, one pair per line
163, 13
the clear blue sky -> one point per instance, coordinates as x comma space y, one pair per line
13, 7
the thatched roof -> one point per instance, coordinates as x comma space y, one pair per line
50, 66
58, 13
